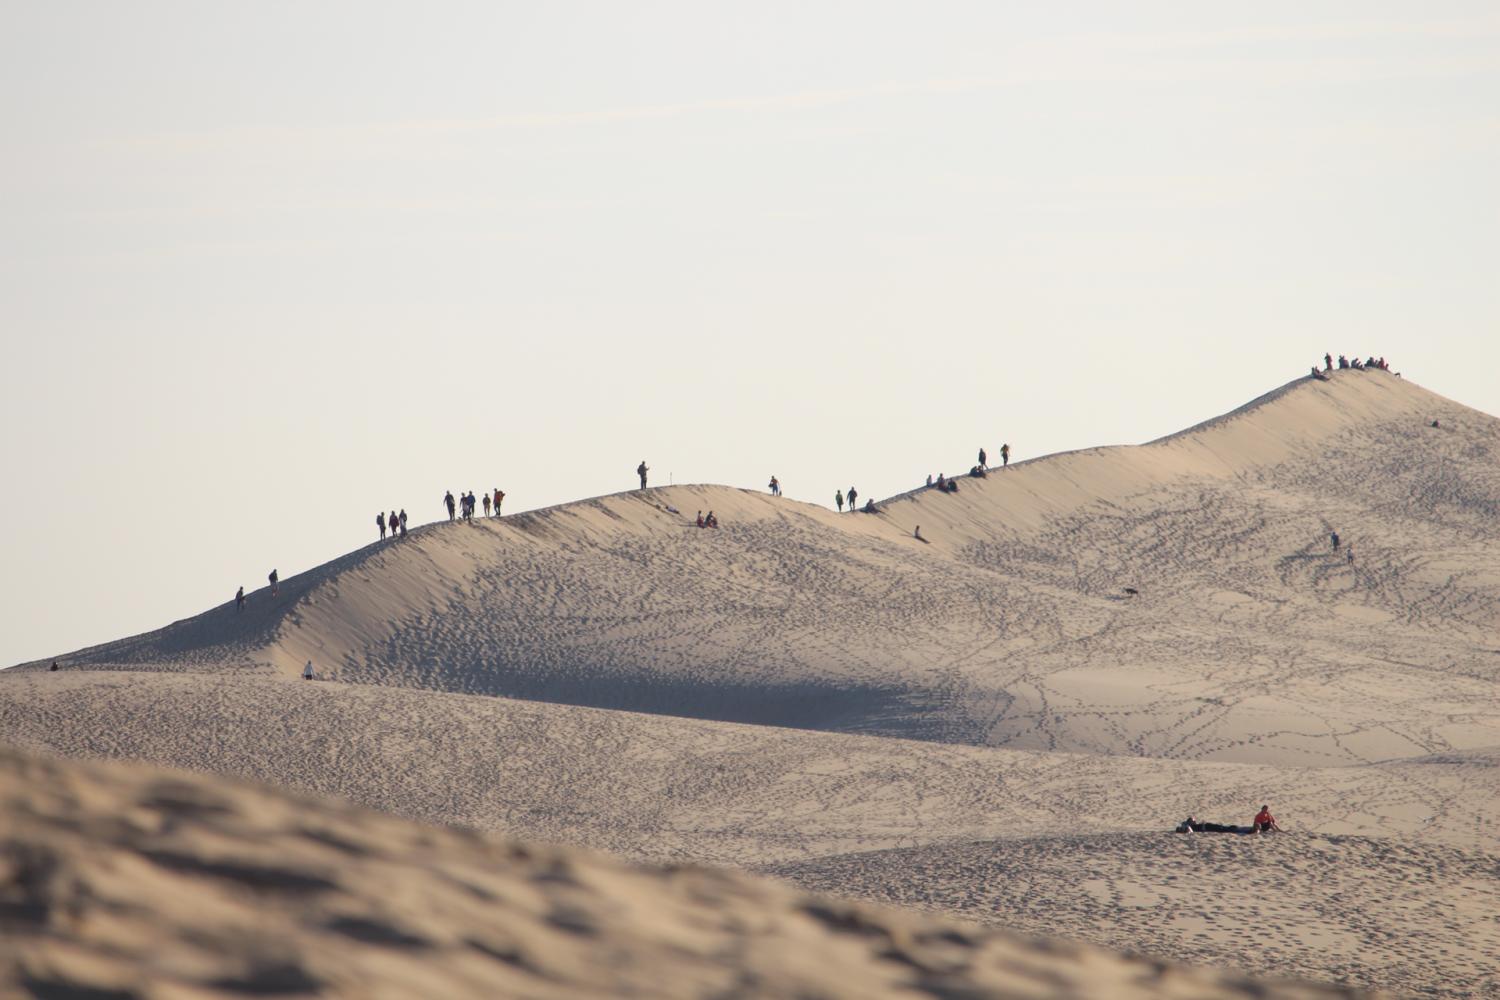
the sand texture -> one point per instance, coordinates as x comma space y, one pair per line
999, 721
128, 882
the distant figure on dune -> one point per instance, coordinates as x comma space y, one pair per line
982, 463
239, 599
307, 671
499, 495
775, 486
1328, 362
869, 507
929, 479
700, 519
1004, 455
838, 500
851, 496
403, 522
392, 522
275, 583
942, 482
917, 533
1264, 822
710, 521
1436, 424
448, 502
1343, 362
1333, 537
54, 665
486, 505
380, 523
641, 470
1318, 375
1351, 555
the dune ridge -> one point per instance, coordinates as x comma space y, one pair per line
1084, 648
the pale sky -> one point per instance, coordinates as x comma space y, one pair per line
271, 267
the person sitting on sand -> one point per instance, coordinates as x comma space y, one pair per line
1264, 822
869, 507
700, 519
710, 521
917, 533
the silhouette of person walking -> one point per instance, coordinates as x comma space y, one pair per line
838, 500
403, 522
380, 523
275, 583
499, 495
1004, 455
448, 502
239, 599
982, 463
851, 494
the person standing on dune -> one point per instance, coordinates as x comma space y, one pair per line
448, 502
486, 505
499, 495
403, 522
239, 599
982, 463
380, 523
641, 470
392, 522
851, 494
1004, 455
275, 583
838, 500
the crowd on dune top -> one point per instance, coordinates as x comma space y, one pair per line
1371, 364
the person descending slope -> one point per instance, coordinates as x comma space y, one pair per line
641, 470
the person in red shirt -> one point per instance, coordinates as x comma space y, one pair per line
1264, 822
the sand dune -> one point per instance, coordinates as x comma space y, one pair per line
1249, 639
133, 883
1413, 918
802, 688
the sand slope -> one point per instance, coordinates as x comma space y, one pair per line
132, 883
1249, 639
813, 691
1399, 915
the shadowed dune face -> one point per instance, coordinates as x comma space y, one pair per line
1246, 637
133, 883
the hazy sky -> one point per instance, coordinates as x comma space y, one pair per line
270, 267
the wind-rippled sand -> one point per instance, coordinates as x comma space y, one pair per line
1000, 721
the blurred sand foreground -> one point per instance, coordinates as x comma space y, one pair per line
1000, 722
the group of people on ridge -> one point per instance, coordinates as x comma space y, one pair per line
1379, 364
707, 522
464, 506
395, 524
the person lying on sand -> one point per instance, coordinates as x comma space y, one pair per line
1191, 825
